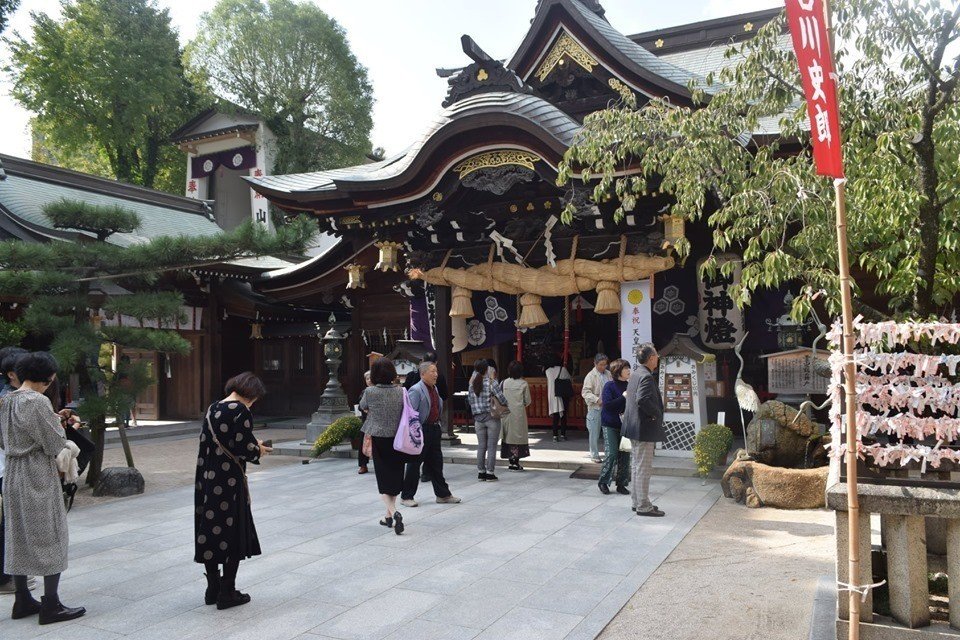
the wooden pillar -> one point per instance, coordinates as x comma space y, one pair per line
444, 348
213, 364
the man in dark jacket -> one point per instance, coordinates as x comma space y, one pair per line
643, 425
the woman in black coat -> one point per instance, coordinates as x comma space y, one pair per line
224, 533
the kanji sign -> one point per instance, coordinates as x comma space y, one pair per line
811, 42
721, 322
635, 319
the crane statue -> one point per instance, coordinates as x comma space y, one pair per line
746, 397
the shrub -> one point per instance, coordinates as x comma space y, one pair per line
711, 445
337, 432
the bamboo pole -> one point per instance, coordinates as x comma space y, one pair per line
850, 380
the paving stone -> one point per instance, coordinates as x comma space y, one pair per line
572, 591
420, 629
379, 617
481, 604
522, 623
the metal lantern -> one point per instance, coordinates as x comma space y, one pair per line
355, 276
389, 256
789, 333
256, 331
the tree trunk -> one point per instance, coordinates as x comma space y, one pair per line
928, 216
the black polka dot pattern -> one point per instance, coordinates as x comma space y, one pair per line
223, 524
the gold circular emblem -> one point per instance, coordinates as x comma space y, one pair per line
635, 296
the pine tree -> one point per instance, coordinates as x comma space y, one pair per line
60, 279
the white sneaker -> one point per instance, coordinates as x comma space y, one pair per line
410, 503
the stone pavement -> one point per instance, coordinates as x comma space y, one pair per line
536, 555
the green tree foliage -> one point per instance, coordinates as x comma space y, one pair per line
7, 7
901, 130
107, 79
291, 63
64, 282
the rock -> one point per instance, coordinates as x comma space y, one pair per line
119, 482
779, 435
759, 485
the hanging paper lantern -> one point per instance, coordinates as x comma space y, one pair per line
355, 276
674, 229
461, 305
389, 256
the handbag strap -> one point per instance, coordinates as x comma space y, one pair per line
229, 454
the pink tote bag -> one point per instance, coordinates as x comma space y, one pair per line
409, 438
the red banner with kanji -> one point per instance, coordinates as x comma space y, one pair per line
811, 42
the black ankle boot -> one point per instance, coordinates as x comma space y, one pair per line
24, 607
230, 597
213, 588
52, 610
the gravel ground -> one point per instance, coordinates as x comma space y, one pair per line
168, 463
741, 574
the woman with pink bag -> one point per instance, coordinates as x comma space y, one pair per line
384, 404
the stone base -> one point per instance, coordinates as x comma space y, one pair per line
322, 419
759, 485
119, 482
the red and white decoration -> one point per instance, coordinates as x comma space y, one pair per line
811, 42
908, 395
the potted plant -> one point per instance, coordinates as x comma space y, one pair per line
710, 447
339, 430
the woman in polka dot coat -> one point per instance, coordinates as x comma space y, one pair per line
223, 523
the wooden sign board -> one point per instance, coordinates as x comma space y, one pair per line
791, 372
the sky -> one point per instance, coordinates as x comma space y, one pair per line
401, 43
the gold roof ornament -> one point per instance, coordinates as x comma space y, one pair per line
482, 75
355, 276
389, 256
748, 27
565, 48
492, 159
659, 43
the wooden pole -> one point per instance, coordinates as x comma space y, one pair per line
850, 380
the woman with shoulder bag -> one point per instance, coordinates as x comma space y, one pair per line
34, 514
483, 390
223, 522
559, 392
616, 460
384, 404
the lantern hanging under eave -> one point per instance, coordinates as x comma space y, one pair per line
355, 276
674, 229
256, 331
389, 256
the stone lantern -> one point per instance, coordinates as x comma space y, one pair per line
333, 401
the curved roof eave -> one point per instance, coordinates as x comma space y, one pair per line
537, 117
647, 68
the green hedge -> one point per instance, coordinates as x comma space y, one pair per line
338, 431
710, 446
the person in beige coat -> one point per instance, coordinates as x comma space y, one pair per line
593, 385
516, 438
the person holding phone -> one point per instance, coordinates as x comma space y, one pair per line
224, 532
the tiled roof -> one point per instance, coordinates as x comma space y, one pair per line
549, 118
30, 186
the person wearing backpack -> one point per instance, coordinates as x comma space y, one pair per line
559, 392
488, 405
